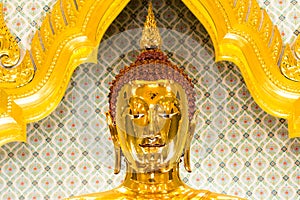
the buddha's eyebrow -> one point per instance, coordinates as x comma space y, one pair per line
174, 101
168, 97
136, 98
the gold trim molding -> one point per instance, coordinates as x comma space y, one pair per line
241, 32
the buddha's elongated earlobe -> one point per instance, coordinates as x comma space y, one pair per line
187, 149
113, 132
117, 160
186, 158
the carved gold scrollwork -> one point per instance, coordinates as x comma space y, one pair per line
9, 50
290, 63
249, 13
13, 73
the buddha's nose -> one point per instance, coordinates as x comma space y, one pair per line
152, 120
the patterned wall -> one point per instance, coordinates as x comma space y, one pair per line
24, 17
237, 149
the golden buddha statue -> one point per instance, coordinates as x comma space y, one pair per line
152, 119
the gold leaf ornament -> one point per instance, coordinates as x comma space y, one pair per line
16, 68
9, 49
151, 38
290, 64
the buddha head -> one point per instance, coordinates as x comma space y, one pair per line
152, 109
152, 106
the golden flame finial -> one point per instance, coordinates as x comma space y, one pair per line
151, 38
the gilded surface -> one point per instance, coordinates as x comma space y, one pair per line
153, 126
290, 63
240, 31
151, 37
12, 73
9, 50
12, 122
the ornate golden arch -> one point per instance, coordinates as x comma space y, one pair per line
69, 36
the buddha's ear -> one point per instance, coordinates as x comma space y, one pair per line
193, 123
114, 136
191, 131
112, 128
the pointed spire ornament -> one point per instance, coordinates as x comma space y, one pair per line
151, 65
151, 38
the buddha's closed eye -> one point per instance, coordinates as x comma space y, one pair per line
136, 116
167, 116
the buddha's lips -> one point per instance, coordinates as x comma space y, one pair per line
152, 142
152, 145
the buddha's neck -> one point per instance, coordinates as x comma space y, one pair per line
154, 181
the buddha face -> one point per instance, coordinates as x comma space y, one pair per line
152, 124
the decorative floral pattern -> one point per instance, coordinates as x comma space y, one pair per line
237, 148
